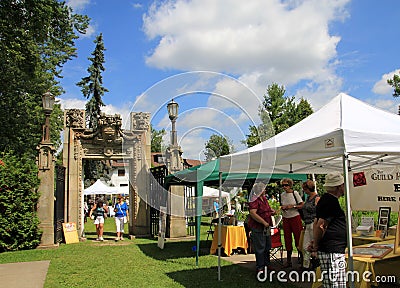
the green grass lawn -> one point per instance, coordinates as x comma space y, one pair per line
135, 263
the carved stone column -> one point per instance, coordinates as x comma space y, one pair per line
139, 175
45, 207
74, 122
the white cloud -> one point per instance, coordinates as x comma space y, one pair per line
74, 103
382, 87
260, 41
90, 31
78, 5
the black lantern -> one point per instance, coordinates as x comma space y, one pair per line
172, 110
48, 100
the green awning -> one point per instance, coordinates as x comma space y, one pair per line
208, 174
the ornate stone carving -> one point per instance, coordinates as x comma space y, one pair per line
108, 131
140, 121
75, 118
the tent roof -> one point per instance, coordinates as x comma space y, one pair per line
208, 173
316, 144
212, 192
100, 188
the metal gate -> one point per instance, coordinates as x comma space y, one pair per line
190, 208
59, 204
158, 197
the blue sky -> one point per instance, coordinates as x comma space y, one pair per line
217, 57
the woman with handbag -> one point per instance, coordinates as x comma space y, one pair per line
292, 224
120, 217
97, 213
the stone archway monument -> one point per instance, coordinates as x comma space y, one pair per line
108, 142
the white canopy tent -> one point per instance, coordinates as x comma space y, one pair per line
209, 192
344, 126
100, 188
346, 134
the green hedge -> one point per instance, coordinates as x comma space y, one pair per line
19, 224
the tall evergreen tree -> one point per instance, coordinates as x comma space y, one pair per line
277, 113
92, 88
92, 85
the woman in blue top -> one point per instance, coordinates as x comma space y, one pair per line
120, 215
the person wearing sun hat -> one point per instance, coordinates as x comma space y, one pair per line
330, 236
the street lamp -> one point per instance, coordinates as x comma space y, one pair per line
172, 108
48, 100
46, 149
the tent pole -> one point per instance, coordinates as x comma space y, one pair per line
198, 223
219, 226
348, 215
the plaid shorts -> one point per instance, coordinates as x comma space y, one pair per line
333, 269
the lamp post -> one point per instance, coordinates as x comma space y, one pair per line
176, 205
48, 100
46, 175
174, 151
172, 108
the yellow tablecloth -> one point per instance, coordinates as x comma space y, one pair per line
369, 264
232, 237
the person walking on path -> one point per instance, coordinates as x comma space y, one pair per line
330, 236
309, 212
120, 210
99, 211
260, 221
216, 208
292, 224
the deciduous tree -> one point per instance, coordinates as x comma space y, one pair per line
37, 38
217, 146
395, 83
277, 113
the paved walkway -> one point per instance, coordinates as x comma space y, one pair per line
24, 274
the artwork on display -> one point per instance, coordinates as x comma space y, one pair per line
397, 239
374, 251
384, 219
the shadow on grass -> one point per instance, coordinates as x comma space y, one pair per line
174, 250
230, 276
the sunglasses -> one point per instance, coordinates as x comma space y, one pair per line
285, 185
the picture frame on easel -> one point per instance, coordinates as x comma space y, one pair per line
384, 219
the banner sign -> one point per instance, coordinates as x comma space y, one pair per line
70, 233
374, 188
162, 226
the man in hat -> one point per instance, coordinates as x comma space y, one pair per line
330, 238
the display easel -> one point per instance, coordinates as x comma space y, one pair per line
397, 239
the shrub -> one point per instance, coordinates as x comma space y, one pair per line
19, 224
